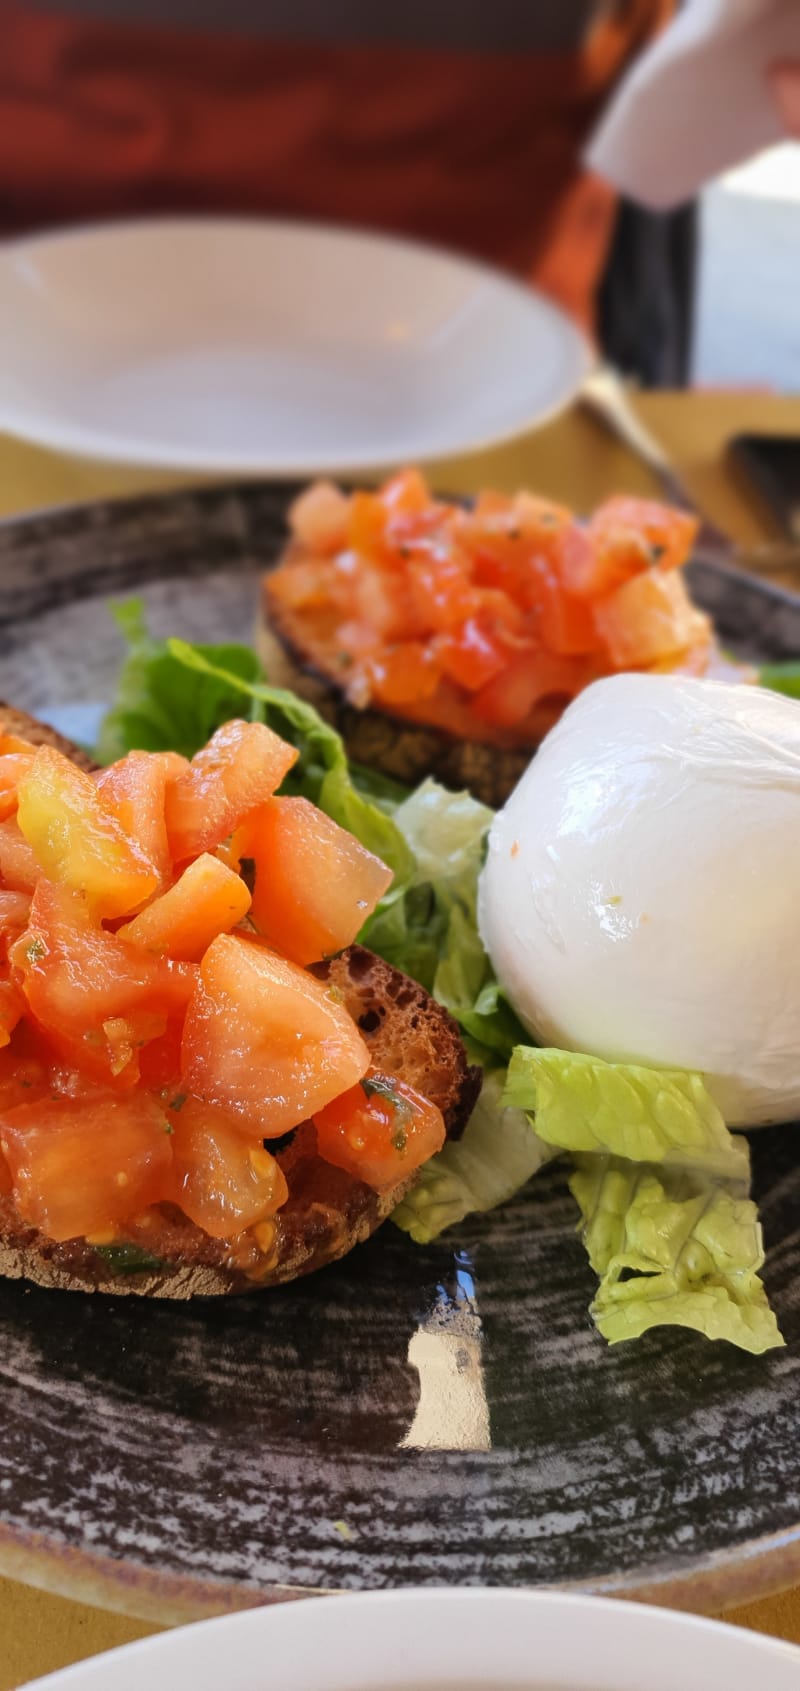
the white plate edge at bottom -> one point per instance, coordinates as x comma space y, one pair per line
470, 1639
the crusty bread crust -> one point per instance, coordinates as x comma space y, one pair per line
41, 734
410, 1037
408, 751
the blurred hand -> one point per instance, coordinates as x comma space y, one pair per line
784, 81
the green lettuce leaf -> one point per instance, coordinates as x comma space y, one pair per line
662, 1116
496, 1156
432, 933
672, 1249
781, 678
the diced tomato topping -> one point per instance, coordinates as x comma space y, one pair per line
77, 841
15, 909
265, 1040
18, 866
13, 765
379, 1131
534, 675
651, 617
471, 654
240, 768
81, 982
12, 1008
668, 532
146, 1050
206, 900
81, 1165
440, 592
222, 1181
404, 673
315, 885
318, 518
432, 611
134, 791
567, 625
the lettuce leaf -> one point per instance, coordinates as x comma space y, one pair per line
662, 1187
664, 1116
781, 678
672, 1250
497, 1155
433, 934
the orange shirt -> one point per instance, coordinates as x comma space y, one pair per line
476, 149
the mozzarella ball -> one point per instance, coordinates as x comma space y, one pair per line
640, 899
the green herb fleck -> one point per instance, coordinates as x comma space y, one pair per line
36, 951
377, 1085
400, 1139
178, 1101
127, 1258
344, 659
343, 1530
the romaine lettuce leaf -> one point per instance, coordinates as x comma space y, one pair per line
664, 1116
433, 934
498, 1153
672, 1249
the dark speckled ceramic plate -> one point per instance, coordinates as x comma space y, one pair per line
410, 1417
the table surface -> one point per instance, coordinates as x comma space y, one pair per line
572, 460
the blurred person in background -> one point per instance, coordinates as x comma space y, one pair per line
456, 121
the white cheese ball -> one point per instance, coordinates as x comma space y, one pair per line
641, 896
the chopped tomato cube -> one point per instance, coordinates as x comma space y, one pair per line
403, 673
207, 899
13, 765
15, 909
567, 625
440, 592
471, 655
240, 768
78, 978
82, 1165
77, 841
12, 1008
318, 518
315, 883
651, 617
302, 584
265, 1040
19, 869
379, 1130
405, 494
668, 533
134, 791
220, 1180
510, 698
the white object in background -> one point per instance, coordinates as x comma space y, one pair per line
641, 896
697, 102
252, 346
473, 1640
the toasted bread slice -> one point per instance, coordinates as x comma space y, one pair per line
165, 1255
40, 734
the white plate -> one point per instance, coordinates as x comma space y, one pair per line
466, 1640
266, 347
